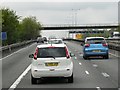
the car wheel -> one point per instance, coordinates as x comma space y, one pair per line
33, 80
85, 57
70, 79
106, 57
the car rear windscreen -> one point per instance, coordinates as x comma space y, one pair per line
96, 41
51, 52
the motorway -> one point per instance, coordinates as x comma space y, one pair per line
95, 73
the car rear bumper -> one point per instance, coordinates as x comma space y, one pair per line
38, 73
95, 53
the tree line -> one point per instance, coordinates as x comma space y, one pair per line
18, 30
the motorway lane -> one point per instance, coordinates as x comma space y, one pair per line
15, 64
109, 66
85, 74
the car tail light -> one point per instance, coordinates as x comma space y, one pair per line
105, 45
87, 45
67, 53
35, 54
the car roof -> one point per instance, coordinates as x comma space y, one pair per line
49, 45
93, 37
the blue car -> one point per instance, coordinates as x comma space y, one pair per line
95, 46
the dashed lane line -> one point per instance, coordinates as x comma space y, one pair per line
105, 75
95, 65
14, 85
114, 55
75, 57
87, 72
98, 88
80, 63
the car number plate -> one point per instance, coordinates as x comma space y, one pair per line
96, 51
51, 64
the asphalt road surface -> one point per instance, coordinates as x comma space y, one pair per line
94, 73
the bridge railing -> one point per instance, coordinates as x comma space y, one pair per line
70, 25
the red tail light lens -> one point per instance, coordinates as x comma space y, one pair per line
105, 45
67, 53
35, 54
87, 45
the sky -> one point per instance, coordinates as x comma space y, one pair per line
64, 12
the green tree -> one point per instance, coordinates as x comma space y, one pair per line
30, 28
10, 25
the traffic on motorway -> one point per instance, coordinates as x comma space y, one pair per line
55, 61
59, 45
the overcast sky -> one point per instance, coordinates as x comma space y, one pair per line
65, 12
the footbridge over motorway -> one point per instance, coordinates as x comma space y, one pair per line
84, 26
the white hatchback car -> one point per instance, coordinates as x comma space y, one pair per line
51, 61
55, 41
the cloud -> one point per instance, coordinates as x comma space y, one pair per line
61, 13
92, 15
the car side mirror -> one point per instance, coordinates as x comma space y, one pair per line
31, 55
72, 55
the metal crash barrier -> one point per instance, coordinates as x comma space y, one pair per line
112, 43
16, 45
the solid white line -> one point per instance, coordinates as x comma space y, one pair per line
114, 55
80, 63
14, 85
86, 72
14, 53
98, 88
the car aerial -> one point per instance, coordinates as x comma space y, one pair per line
51, 60
55, 41
95, 46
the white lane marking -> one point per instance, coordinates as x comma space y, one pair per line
114, 55
14, 53
14, 85
95, 65
105, 75
81, 54
75, 57
98, 88
80, 63
86, 72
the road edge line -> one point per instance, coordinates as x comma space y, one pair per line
14, 85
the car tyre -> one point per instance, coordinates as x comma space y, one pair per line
33, 80
106, 57
85, 57
70, 79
